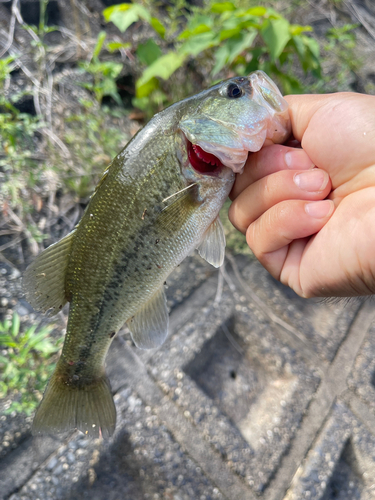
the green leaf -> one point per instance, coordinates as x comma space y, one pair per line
124, 15
198, 43
113, 46
148, 52
3, 360
38, 338
201, 28
163, 68
99, 44
296, 29
228, 33
241, 43
256, 11
217, 8
158, 26
313, 46
300, 47
290, 84
275, 33
227, 53
28, 334
144, 88
107, 13
15, 325
308, 53
221, 57
45, 347
253, 65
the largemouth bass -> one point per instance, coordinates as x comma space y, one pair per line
157, 201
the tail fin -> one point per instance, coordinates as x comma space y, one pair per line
88, 408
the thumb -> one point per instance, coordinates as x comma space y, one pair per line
332, 128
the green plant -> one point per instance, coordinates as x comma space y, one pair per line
341, 45
94, 135
219, 36
20, 167
27, 359
104, 73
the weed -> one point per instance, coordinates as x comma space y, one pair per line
224, 37
27, 360
342, 44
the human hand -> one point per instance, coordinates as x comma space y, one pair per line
319, 247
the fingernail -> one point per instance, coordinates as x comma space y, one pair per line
319, 209
298, 160
312, 180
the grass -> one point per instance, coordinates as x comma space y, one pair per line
27, 360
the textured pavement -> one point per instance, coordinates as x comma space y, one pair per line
257, 393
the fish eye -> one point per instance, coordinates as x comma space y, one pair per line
234, 91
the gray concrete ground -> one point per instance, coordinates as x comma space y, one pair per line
257, 393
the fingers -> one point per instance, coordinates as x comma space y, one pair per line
267, 161
288, 222
273, 189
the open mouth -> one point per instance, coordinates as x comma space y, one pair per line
201, 161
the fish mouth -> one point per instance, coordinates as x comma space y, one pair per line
203, 162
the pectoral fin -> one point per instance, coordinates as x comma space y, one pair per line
44, 279
212, 247
176, 212
149, 326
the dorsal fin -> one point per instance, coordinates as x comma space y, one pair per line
212, 246
149, 326
44, 279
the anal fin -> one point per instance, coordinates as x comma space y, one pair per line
149, 326
44, 279
212, 246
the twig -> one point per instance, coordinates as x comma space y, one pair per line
49, 95
57, 141
72, 36
4, 259
262, 306
231, 339
9, 231
28, 73
12, 25
355, 11
12, 243
16, 219
322, 11
38, 88
228, 279
36, 101
34, 157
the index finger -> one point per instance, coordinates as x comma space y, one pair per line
268, 160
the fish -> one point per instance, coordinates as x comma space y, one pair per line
157, 201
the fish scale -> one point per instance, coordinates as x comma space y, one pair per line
157, 201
